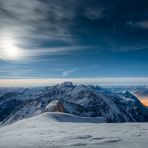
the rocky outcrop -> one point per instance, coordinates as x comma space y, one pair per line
54, 106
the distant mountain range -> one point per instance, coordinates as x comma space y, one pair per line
138, 90
79, 100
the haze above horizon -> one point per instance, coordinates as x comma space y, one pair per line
84, 81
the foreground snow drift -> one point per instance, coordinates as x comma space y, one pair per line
50, 130
62, 117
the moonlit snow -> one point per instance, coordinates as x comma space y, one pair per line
59, 130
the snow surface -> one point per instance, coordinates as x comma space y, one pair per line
58, 130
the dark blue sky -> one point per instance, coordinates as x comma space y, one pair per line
73, 38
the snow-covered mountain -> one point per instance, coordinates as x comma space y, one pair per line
79, 100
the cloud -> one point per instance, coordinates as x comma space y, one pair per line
14, 72
42, 19
28, 22
140, 24
35, 18
52, 51
128, 48
74, 70
94, 13
35, 53
68, 72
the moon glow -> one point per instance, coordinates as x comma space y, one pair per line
9, 49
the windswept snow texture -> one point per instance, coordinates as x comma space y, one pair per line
47, 131
79, 100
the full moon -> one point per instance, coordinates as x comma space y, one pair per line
10, 50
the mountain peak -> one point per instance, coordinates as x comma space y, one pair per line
66, 84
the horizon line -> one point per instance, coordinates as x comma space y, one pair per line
13, 82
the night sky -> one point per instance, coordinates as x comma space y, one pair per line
73, 38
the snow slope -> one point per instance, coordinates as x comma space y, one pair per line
59, 130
